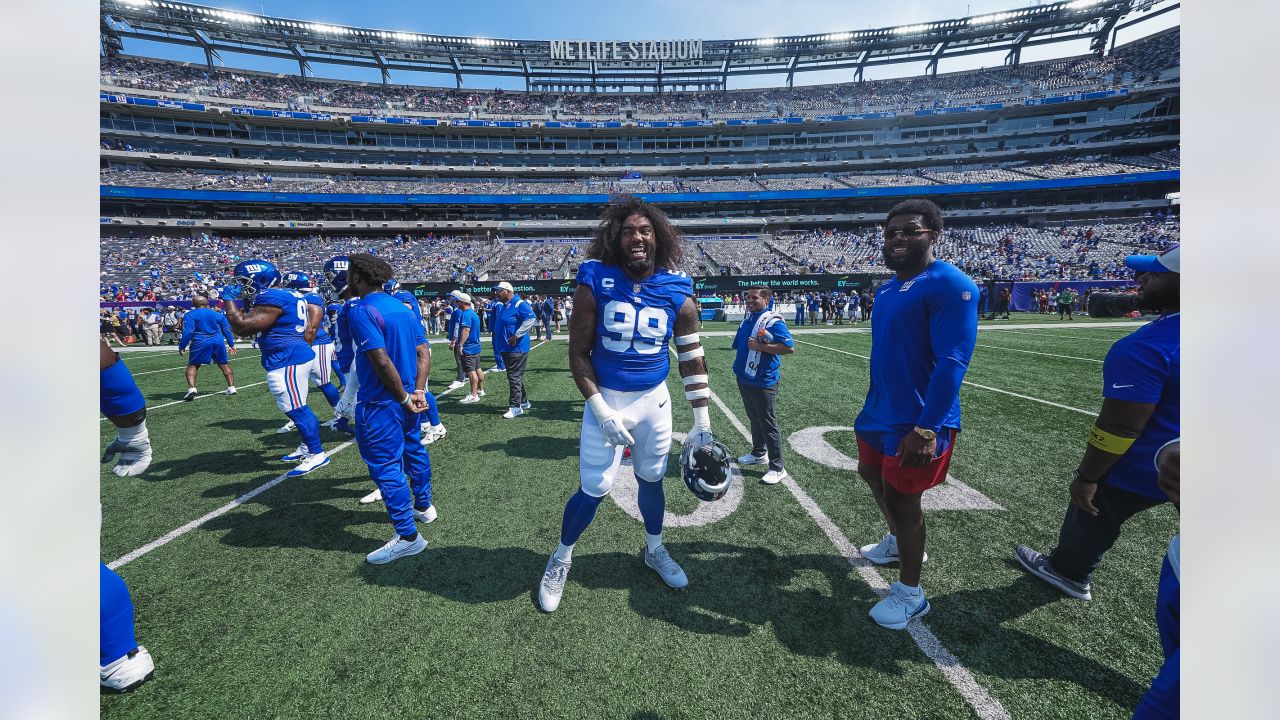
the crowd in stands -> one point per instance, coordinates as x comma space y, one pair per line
211, 180
138, 267
1140, 60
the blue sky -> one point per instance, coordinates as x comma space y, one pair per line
648, 19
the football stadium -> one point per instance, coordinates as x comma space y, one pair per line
917, 284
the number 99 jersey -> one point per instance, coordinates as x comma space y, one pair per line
282, 344
634, 323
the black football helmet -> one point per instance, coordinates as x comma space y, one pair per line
706, 470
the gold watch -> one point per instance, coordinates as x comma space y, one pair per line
925, 433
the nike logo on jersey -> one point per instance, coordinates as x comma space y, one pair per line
1119, 387
364, 342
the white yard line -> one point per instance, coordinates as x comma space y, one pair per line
179, 532
1033, 352
1106, 339
958, 675
179, 402
238, 356
972, 384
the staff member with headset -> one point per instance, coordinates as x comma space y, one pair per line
1116, 479
512, 324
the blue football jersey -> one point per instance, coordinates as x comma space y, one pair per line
634, 323
344, 350
282, 344
322, 333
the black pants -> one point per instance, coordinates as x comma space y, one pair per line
1085, 538
765, 434
457, 358
515, 377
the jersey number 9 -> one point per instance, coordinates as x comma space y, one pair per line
642, 330
302, 316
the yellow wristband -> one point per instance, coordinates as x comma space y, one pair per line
1108, 443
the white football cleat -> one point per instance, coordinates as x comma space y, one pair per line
426, 516
373, 497
309, 463
773, 477
514, 412
231, 389
661, 562
297, 454
469, 399
128, 672
551, 589
456, 384
289, 426
396, 549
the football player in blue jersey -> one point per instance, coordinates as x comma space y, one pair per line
392, 363
432, 428
923, 333
631, 301
208, 334
279, 318
321, 372
123, 664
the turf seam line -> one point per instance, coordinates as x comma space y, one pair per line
970, 383
986, 706
1033, 352
179, 532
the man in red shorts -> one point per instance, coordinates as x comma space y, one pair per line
922, 336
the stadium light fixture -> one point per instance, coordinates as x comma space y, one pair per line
1082, 4
990, 19
910, 29
767, 42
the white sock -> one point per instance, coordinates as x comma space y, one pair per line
564, 552
135, 434
653, 541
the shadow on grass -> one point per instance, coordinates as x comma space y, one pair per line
535, 447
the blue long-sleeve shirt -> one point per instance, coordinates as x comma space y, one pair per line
204, 325
923, 332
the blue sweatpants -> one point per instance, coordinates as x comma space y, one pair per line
390, 442
115, 618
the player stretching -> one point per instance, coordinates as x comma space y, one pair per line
630, 296
123, 664
922, 336
392, 363
207, 333
279, 317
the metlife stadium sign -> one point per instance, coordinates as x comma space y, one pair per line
626, 50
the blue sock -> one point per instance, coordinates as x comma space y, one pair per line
653, 505
115, 617
578, 514
308, 427
330, 393
433, 412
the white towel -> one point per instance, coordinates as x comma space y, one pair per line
767, 318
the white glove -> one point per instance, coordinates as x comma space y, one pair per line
615, 433
135, 456
700, 433
346, 406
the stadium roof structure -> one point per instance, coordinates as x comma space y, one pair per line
598, 65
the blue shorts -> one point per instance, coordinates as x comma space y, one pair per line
208, 352
118, 393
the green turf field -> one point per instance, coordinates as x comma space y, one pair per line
270, 610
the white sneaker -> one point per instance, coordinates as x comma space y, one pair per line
526, 405
288, 427
514, 412
899, 607
884, 552
773, 477
433, 433
128, 672
373, 497
426, 516
396, 549
298, 454
309, 463
661, 562
482, 393
191, 395
497, 369
231, 389
469, 399
551, 589
456, 384
753, 459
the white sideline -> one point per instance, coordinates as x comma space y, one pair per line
961, 679
1033, 352
179, 532
179, 402
238, 356
972, 384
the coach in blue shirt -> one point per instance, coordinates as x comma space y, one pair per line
1141, 412
392, 363
512, 325
208, 334
761, 341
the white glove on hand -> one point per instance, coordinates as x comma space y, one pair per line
615, 433
700, 433
135, 457
346, 406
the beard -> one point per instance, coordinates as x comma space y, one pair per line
913, 258
638, 267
